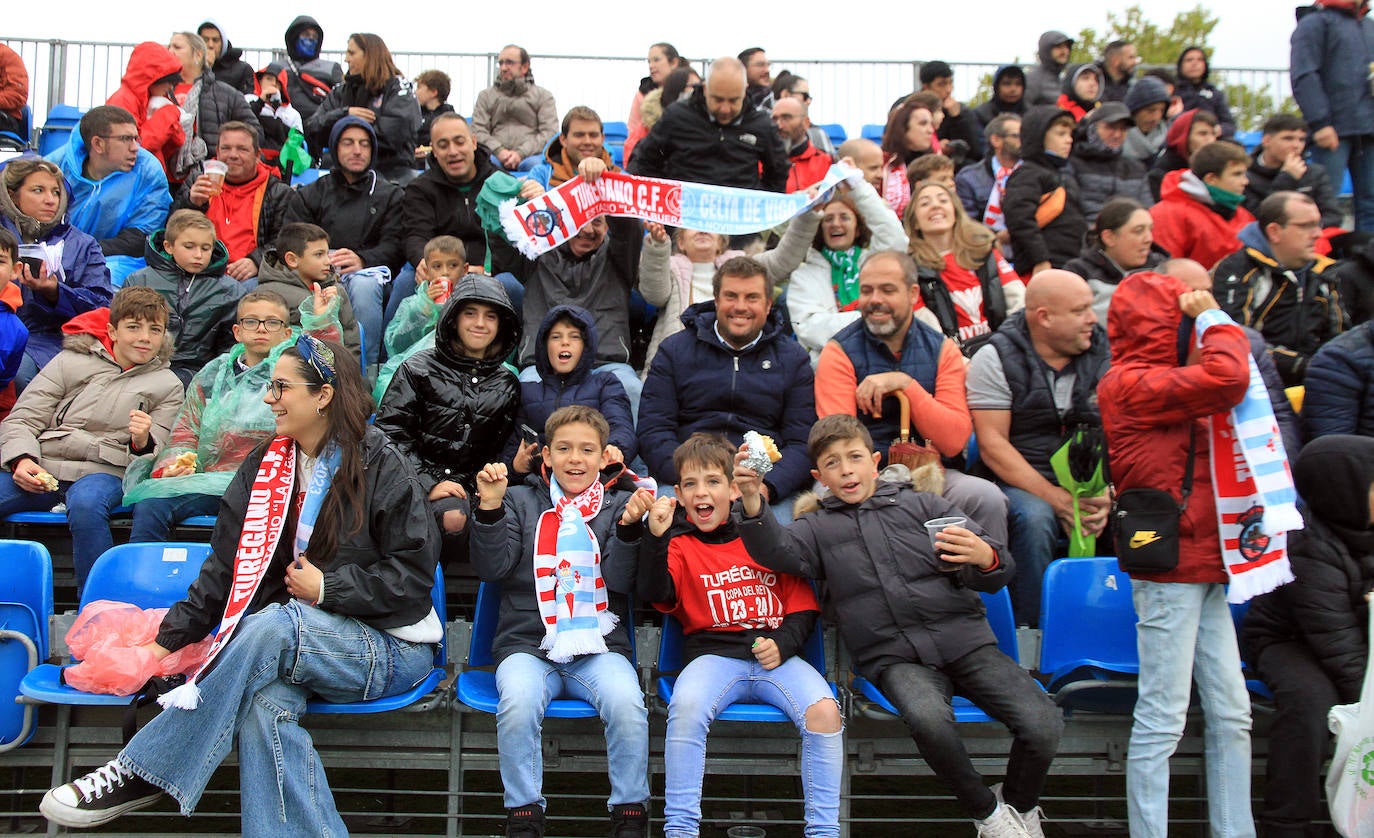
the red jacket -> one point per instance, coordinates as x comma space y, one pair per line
808, 167
161, 133
1190, 226
14, 82
1149, 403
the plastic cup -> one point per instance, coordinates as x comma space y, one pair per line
215, 170
746, 832
934, 527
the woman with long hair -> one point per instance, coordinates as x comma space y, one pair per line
964, 280
374, 90
663, 60
1120, 243
679, 84
73, 278
325, 541
206, 104
910, 133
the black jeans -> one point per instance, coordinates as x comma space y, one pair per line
1299, 741
1004, 690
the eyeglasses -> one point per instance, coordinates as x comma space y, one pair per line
128, 139
277, 385
271, 324
802, 94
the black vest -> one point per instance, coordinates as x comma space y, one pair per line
869, 355
1037, 429
935, 294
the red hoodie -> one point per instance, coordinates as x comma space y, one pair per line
235, 211
1189, 225
1148, 404
94, 322
161, 133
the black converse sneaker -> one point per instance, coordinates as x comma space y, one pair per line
629, 820
99, 797
525, 822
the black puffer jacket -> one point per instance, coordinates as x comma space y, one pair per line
1340, 386
220, 103
1103, 173
363, 216
1355, 277
1041, 174
688, 144
381, 575
397, 125
1333, 560
1042, 82
437, 205
448, 413
1315, 183
882, 577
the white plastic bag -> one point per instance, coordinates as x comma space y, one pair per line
1350, 782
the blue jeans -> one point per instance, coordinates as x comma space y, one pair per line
607, 681
1184, 633
155, 517
624, 373
1033, 536
366, 291
708, 685
257, 689
90, 500
1356, 154
1003, 690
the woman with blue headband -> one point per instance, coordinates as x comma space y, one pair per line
323, 559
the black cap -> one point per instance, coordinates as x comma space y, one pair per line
1109, 112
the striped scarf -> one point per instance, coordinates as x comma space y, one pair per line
567, 576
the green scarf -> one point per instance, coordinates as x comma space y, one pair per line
1223, 197
844, 276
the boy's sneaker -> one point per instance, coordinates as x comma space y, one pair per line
1004, 822
525, 822
629, 820
99, 797
1030, 820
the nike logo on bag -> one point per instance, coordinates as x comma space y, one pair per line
1142, 538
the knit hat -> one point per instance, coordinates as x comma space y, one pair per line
1146, 91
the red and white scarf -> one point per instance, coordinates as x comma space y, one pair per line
268, 506
567, 576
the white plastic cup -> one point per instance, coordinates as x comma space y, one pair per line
934, 527
216, 171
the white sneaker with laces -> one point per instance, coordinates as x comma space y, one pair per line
1004, 822
1030, 820
99, 797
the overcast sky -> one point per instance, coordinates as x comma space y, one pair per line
1250, 34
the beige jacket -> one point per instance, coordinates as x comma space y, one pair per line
523, 123
665, 278
73, 418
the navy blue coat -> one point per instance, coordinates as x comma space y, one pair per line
697, 383
1340, 386
603, 391
1329, 62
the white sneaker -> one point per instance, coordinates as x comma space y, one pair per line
1030, 820
99, 797
1004, 822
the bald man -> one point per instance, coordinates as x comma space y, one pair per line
868, 156
1035, 380
716, 136
809, 164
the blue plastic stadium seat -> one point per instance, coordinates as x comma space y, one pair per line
207, 521
1249, 139
614, 135
62, 120
415, 693
57, 519
25, 606
1253, 682
477, 688
670, 660
872, 132
1080, 594
308, 176
151, 575
21, 137
1003, 623
971, 454
835, 131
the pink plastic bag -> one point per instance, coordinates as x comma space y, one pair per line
108, 637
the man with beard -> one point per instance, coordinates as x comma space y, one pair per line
809, 164
514, 117
887, 350
982, 187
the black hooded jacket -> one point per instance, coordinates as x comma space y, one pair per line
230, 67
309, 78
436, 205
1042, 82
1333, 560
994, 107
1040, 175
363, 216
397, 125
448, 413
688, 144
1203, 94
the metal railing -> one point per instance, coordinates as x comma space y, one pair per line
851, 93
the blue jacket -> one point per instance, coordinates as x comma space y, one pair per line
121, 210
1329, 65
697, 383
1340, 386
603, 391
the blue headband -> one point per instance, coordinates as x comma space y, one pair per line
318, 356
